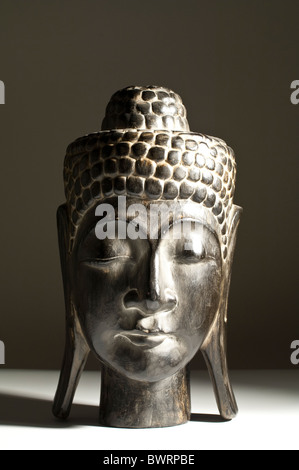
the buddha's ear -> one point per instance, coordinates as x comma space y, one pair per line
76, 348
214, 346
233, 222
63, 237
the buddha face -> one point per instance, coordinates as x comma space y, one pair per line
146, 298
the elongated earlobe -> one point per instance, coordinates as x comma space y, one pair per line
233, 223
75, 356
214, 347
76, 348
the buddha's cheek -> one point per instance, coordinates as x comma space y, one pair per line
198, 290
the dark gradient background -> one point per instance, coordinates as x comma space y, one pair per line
232, 62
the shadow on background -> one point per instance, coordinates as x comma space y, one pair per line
25, 411
36, 412
208, 418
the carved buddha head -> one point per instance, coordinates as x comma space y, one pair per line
146, 238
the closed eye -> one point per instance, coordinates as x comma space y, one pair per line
192, 259
189, 257
103, 261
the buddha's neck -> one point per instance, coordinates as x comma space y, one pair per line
134, 404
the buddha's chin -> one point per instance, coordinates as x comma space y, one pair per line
146, 357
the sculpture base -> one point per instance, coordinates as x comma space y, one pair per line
130, 403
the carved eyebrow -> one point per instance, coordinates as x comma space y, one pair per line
103, 259
195, 221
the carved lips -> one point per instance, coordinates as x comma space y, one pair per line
142, 339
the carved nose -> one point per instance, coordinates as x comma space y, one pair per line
153, 315
151, 307
148, 307
160, 288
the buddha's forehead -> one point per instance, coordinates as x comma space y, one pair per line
153, 217
128, 208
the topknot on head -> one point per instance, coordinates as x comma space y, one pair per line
146, 107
